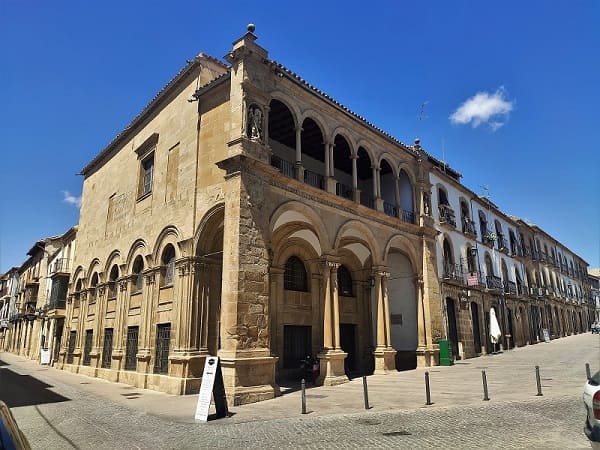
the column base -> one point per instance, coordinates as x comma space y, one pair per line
385, 360
332, 371
249, 379
427, 357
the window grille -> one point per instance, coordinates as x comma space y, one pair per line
294, 278
344, 282
107, 348
163, 339
71, 349
87, 347
132, 348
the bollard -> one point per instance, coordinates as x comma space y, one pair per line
537, 379
365, 392
427, 391
587, 371
485, 389
303, 396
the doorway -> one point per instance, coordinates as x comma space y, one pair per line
348, 344
452, 325
476, 330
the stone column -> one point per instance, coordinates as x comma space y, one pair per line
332, 357
328, 147
144, 354
397, 198
384, 353
266, 109
356, 191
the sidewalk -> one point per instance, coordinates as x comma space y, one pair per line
510, 376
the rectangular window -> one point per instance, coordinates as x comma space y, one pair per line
107, 348
132, 348
146, 175
88, 347
163, 340
71, 349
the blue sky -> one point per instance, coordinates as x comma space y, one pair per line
73, 74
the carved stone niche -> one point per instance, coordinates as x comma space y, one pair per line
255, 121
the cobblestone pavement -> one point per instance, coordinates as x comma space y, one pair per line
107, 415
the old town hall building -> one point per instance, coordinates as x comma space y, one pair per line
246, 214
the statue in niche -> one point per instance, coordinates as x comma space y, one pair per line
255, 123
426, 204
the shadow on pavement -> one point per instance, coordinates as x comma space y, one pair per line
24, 390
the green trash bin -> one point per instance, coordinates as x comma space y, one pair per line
446, 356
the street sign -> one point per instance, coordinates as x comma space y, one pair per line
44, 356
212, 387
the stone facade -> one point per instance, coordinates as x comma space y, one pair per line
245, 214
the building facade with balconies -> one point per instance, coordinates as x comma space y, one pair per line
486, 258
266, 223
9, 284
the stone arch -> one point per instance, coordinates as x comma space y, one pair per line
316, 117
346, 134
139, 247
293, 216
389, 158
78, 275
113, 258
289, 102
95, 266
168, 235
404, 245
356, 231
367, 147
210, 227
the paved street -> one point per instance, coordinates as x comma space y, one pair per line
61, 410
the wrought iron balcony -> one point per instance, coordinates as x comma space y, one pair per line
468, 226
367, 200
285, 167
488, 236
494, 282
57, 304
60, 265
501, 242
344, 191
407, 216
510, 287
454, 272
314, 179
447, 215
543, 257
390, 209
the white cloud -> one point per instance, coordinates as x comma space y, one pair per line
484, 107
71, 199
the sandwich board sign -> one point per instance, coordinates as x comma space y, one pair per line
212, 387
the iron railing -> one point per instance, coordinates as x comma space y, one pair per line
390, 209
163, 340
407, 216
510, 287
107, 348
447, 215
344, 191
454, 272
468, 226
314, 179
285, 167
494, 282
367, 200
131, 348
61, 265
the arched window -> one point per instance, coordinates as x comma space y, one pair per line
112, 285
93, 284
344, 278
472, 265
448, 259
168, 261
294, 277
138, 268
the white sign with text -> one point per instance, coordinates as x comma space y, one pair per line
206, 388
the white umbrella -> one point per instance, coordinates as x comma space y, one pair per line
495, 332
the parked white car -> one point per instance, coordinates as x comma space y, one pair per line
591, 400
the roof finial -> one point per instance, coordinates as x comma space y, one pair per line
251, 27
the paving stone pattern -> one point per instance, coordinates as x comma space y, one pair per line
106, 415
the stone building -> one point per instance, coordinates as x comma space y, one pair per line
488, 259
247, 214
9, 283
